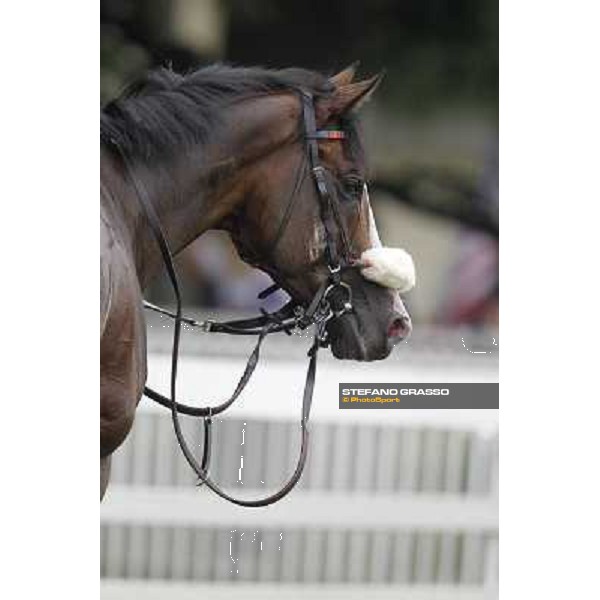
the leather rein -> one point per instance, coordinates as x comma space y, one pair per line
291, 317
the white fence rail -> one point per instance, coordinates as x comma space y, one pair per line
146, 506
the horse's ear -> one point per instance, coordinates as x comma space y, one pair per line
352, 96
346, 76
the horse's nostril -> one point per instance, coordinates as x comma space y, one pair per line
400, 328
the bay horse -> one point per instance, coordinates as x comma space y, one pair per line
223, 148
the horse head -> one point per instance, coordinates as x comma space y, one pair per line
283, 228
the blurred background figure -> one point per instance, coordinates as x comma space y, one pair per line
218, 279
473, 285
431, 130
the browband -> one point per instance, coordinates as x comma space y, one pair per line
327, 134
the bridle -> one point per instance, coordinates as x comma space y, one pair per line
332, 300
320, 311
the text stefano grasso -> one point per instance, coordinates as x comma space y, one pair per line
396, 391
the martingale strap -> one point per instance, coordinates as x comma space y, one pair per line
291, 316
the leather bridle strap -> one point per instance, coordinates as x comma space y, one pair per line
289, 208
211, 411
293, 480
329, 209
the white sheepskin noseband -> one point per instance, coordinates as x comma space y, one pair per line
389, 267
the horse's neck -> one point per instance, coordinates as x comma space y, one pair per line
202, 191
180, 221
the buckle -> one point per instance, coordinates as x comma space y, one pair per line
321, 333
206, 326
321, 181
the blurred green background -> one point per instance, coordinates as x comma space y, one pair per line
438, 54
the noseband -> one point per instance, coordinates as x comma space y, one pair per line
292, 317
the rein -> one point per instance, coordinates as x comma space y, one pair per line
291, 317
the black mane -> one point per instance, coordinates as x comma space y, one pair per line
165, 112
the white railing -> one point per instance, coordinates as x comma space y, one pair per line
127, 505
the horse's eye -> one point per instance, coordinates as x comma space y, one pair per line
353, 185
